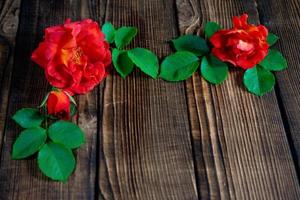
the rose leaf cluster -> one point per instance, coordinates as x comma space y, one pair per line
47, 133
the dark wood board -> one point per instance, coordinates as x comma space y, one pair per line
240, 142
150, 139
283, 19
9, 21
22, 179
146, 137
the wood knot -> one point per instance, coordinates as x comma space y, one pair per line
194, 26
10, 25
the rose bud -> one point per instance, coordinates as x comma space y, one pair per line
58, 105
245, 45
75, 56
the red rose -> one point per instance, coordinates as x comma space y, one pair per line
58, 104
74, 55
244, 45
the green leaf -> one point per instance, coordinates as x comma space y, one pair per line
124, 35
70, 97
55, 89
109, 31
66, 133
145, 60
272, 39
73, 110
259, 80
213, 70
179, 66
28, 142
56, 161
191, 43
28, 117
44, 100
211, 28
122, 62
274, 61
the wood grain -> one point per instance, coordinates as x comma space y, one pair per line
9, 21
146, 134
22, 179
240, 143
283, 19
149, 139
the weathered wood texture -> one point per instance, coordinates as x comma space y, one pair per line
146, 136
283, 19
22, 179
240, 143
9, 21
149, 139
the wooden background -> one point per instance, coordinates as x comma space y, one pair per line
149, 139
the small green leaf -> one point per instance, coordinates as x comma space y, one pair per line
56, 161
122, 62
274, 61
44, 100
272, 39
55, 89
73, 110
191, 43
259, 80
179, 66
145, 60
28, 117
109, 31
211, 28
70, 97
66, 133
28, 142
124, 35
213, 70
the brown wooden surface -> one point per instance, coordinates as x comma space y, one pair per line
285, 23
244, 137
149, 139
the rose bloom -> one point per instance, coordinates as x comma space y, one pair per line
245, 45
58, 105
74, 55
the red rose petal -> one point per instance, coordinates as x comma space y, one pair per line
244, 45
58, 104
75, 56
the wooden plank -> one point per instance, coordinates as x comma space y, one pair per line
89, 117
239, 140
9, 20
97, 10
22, 179
146, 149
282, 17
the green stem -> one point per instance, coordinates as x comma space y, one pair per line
46, 117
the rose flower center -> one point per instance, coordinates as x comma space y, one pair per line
245, 46
77, 53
